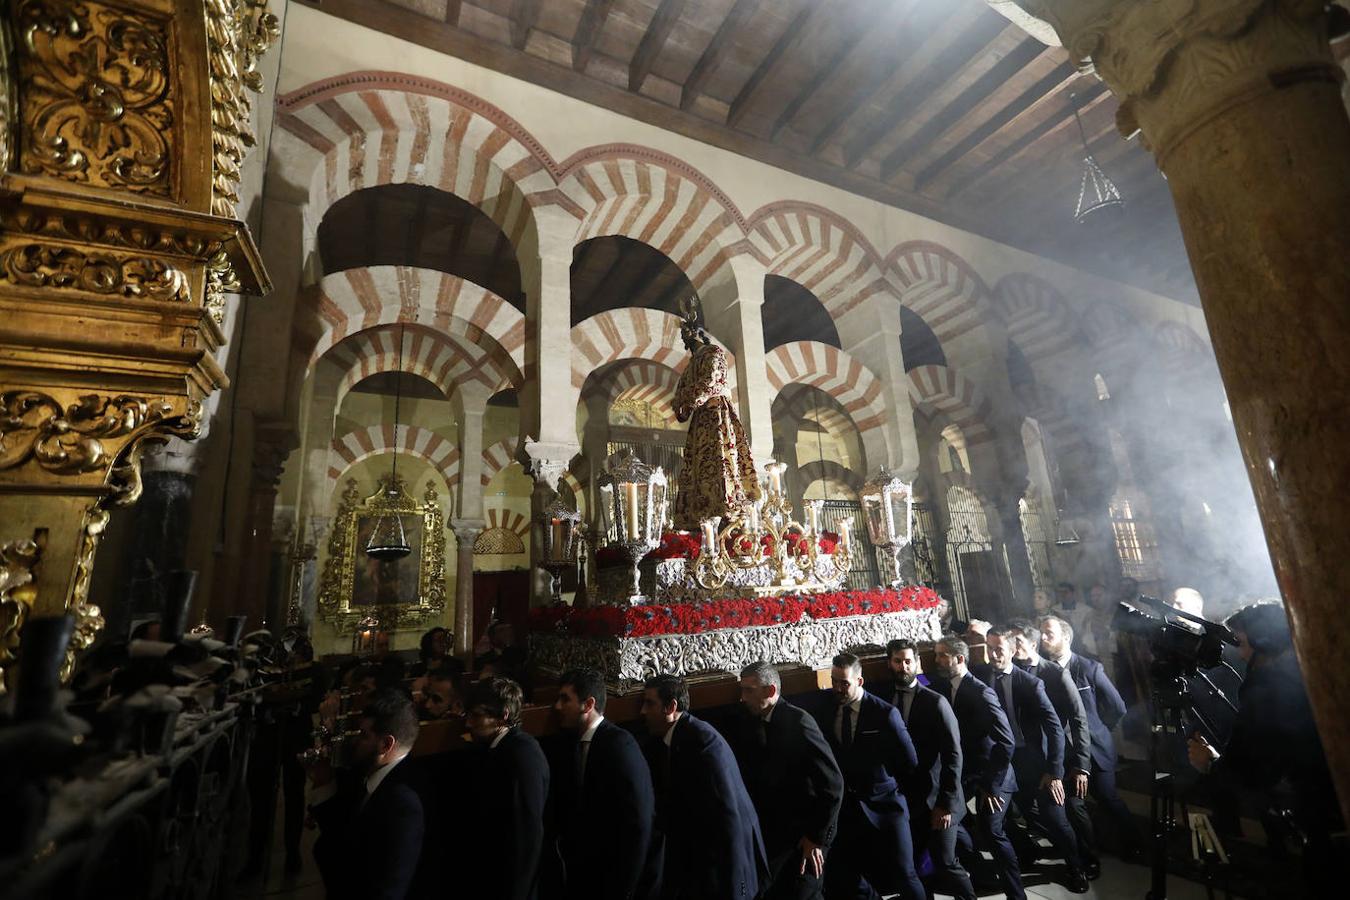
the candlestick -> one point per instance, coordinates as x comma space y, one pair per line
845, 526
775, 481
813, 517
754, 518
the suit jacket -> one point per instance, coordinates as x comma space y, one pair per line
937, 741
712, 846
371, 850
614, 808
986, 738
1102, 703
1063, 694
1037, 719
880, 759
507, 788
791, 776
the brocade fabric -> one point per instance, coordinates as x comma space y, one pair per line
718, 473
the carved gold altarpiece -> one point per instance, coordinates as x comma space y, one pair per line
403, 593
123, 126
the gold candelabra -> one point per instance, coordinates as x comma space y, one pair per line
794, 554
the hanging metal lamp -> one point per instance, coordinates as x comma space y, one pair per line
388, 541
1095, 192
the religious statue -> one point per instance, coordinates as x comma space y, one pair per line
718, 474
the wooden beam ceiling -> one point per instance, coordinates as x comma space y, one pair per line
921, 104
658, 32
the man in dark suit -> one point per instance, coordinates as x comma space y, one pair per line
876, 756
1104, 708
793, 781
712, 844
936, 801
508, 785
986, 752
370, 816
602, 796
1063, 694
1038, 755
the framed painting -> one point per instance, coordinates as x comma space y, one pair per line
402, 593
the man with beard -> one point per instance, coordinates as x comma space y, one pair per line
876, 756
712, 845
602, 796
793, 781
370, 818
986, 752
936, 801
1104, 708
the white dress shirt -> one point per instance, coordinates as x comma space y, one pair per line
585, 741
374, 778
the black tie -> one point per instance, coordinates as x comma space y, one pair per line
846, 729
1006, 701
580, 763
762, 734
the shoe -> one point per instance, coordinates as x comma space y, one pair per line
1076, 881
1093, 869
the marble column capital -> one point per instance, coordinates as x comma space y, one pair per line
1174, 65
548, 461
466, 530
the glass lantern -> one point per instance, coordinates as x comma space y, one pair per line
365, 637
633, 495
559, 525
887, 509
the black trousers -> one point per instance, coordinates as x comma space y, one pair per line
949, 876
1051, 816
1102, 788
989, 828
869, 857
788, 882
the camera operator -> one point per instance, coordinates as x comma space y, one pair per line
1275, 747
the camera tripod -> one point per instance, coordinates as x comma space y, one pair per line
1171, 702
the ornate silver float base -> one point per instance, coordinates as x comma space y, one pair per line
629, 661
672, 581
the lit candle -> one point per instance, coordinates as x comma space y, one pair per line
754, 518
812, 518
630, 509
775, 480
890, 515
845, 526
709, 535
559, 545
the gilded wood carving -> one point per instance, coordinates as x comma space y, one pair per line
410, 591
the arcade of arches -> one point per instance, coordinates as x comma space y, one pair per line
478, 279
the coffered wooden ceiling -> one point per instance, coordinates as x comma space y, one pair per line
941, 107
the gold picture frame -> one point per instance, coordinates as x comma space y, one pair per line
403, 593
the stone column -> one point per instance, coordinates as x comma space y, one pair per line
466, 532
471, 401
871, 334
273, 444
1240, 102
733, 315
159, 532
548, 399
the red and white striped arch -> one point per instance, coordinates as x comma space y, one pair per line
1180, 349
446, 360
833, 371
941, 287
820, 251
648, 382
835, 476
631, 333
438, 452
497, 457
1038, 317
641, 194
944, 391
506, 519
358, 299
365, 129
1115, 338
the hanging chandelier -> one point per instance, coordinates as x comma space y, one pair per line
1095, 191
388, 541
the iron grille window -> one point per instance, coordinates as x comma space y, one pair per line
863, 572
928, 569
1038, 544
978, 574
1136, 546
